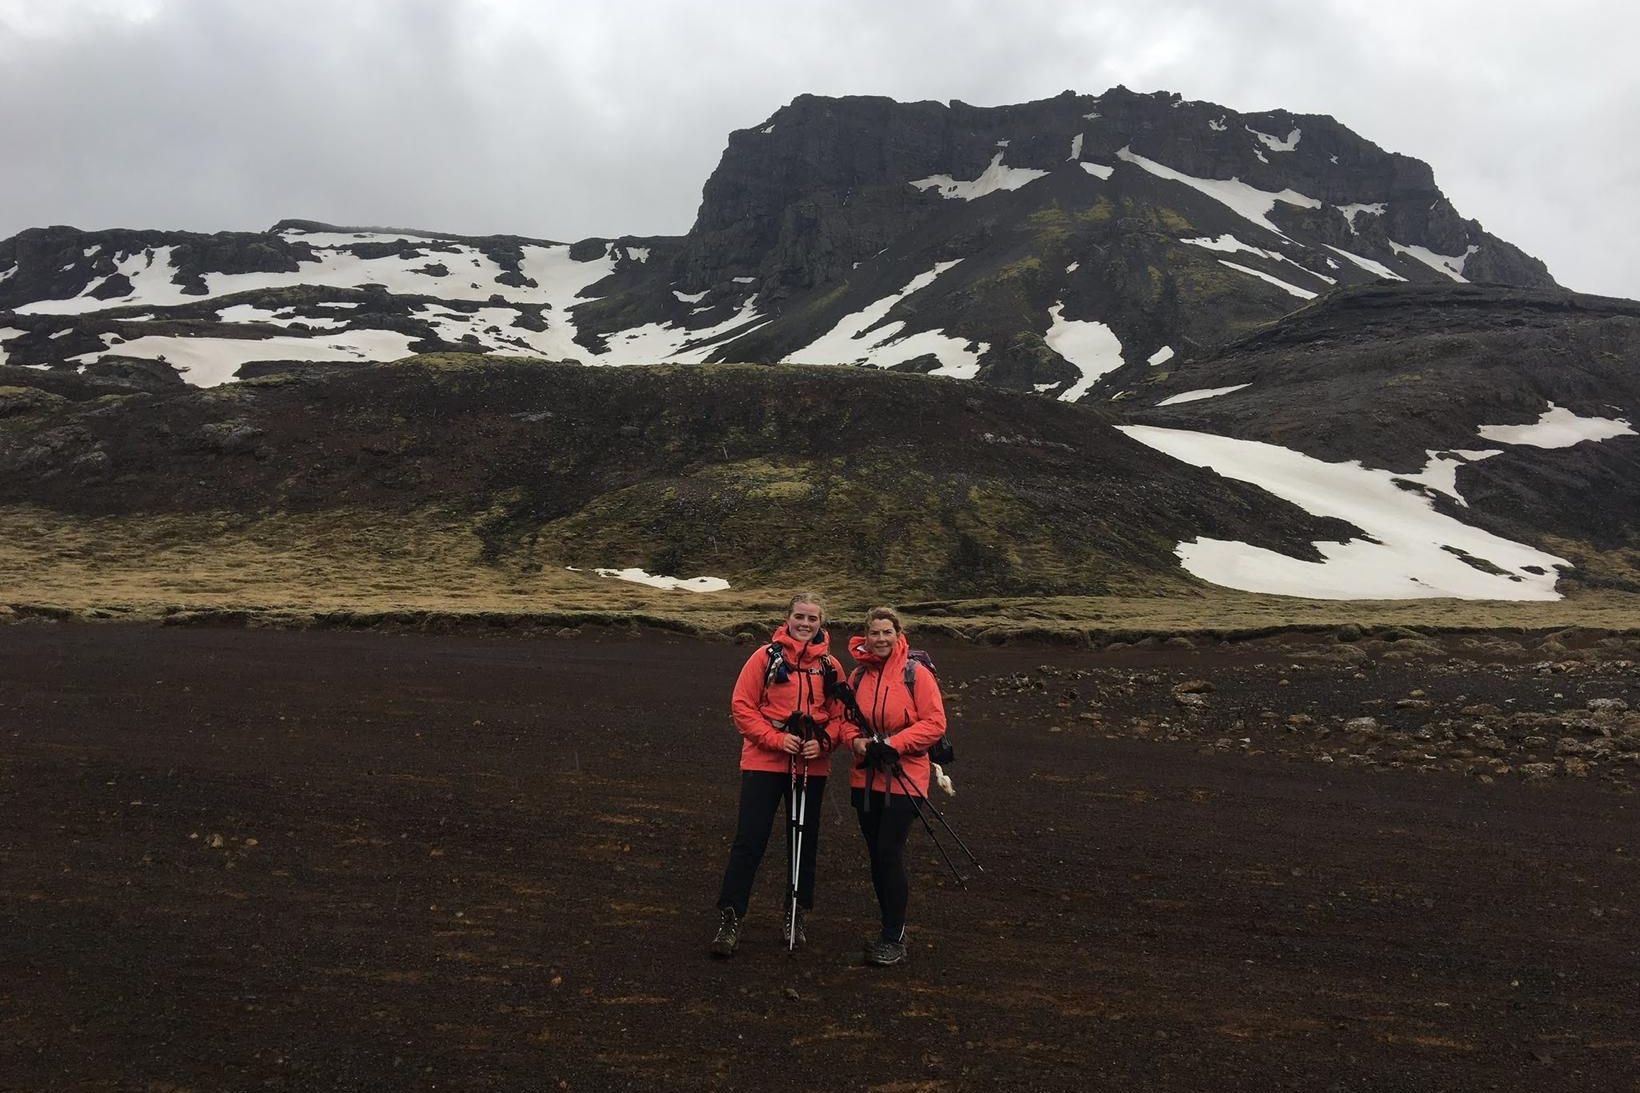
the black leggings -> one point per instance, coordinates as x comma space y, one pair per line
761, 792
886, 825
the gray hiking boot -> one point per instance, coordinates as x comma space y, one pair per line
728, 935
885, 954
786, 930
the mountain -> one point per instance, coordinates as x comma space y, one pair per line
1043, 246
1289, 377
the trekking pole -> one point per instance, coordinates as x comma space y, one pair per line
794, 846
962, 881
938, 815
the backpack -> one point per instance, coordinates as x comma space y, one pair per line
942, 753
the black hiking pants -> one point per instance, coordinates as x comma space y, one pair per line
761, 792
886, 825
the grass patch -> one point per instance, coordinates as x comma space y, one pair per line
423, 569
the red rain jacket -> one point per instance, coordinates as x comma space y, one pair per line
912, 719
761, 706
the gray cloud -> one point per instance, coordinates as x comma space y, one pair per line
566, 120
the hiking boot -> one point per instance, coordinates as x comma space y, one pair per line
728, 935
786, 929
885, 954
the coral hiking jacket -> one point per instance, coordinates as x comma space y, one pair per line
911, 722
760, 705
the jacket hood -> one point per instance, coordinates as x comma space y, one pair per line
797, 652
862, 654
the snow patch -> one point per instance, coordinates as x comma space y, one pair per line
1449, 264
250, 313
1275, 144
1073, 267
1097, 170
1161, 356
1352, 211
1301, 293
670, 584
1558, 428
1076, 147
1441, 472
1198, 395
1246, 201
1092, 347
995, 177
663, 343
690, 297
859, 339
1217, 126
638, 254
1375, 268
1409, 560
210, 362
1229, 244
6, 334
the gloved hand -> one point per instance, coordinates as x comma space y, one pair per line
880, 755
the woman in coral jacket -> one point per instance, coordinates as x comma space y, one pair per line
788, 723
902, 723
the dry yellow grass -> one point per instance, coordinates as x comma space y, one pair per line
296, 568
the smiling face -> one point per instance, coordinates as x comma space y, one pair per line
804, 619
881, 636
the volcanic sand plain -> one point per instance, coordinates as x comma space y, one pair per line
244, 857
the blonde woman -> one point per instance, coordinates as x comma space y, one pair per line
788, 719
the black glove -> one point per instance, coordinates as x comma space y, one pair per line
880, 756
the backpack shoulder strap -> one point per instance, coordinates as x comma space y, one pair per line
830, 672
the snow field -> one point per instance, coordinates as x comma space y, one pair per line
1407, 562
472, 275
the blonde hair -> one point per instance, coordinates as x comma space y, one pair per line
888, 613
807, 597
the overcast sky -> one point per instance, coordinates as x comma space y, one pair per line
564, 120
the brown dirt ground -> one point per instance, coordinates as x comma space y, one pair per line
254, 859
